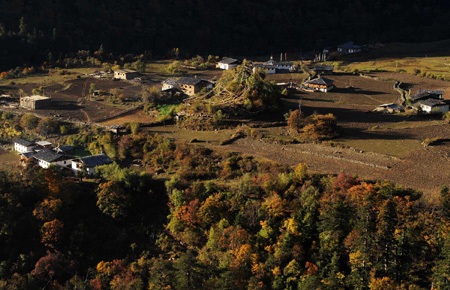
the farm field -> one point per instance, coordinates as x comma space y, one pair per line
371, 145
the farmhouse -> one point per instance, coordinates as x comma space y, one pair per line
319, 84
89, 163
125, 74
168, 84
190, 86
324, 69
35, 102
23, 146
349, 47
227, 63
423, 95
268, 69
118, 129
433, 105
389, 108
281, 66
47, 157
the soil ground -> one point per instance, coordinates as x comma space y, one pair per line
371, 145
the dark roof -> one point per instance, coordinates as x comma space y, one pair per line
324, 67
228, 60
96, 160
349, 45
431, 92
425, 95
65, 148
320, 81
189, 81
49, 156
23, 142
432, 102
172, 82
28, 154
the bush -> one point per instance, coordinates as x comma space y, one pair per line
29, 121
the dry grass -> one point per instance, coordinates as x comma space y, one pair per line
139, 117
398, 148
9, 161
407, 125
53, 77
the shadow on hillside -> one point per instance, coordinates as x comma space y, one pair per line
361, 134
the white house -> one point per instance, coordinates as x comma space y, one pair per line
23, 146
280, 66
433, 105
227, 63
47, 157
268, 69
89, 163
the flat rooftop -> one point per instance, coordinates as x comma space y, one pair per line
36, 97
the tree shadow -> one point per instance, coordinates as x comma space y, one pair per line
352, 90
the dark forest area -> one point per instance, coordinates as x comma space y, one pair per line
30, 30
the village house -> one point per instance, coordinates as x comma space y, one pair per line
125, 74
268, 69
281, 66
168, 84
89, 163
46, 157
389, 108
227, 63
118, 129
349, 47
190, 86
323, 69
426, 94
35, 102
319, 84
433, 106
23, 146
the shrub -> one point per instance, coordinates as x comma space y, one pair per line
29, 121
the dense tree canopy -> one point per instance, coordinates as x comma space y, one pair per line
220, 221
34, 30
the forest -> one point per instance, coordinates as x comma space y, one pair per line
32, 31
211, 220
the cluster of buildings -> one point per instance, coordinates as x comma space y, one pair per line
188, 85
45, 156
428, 101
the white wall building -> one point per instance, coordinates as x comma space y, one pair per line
23, 146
